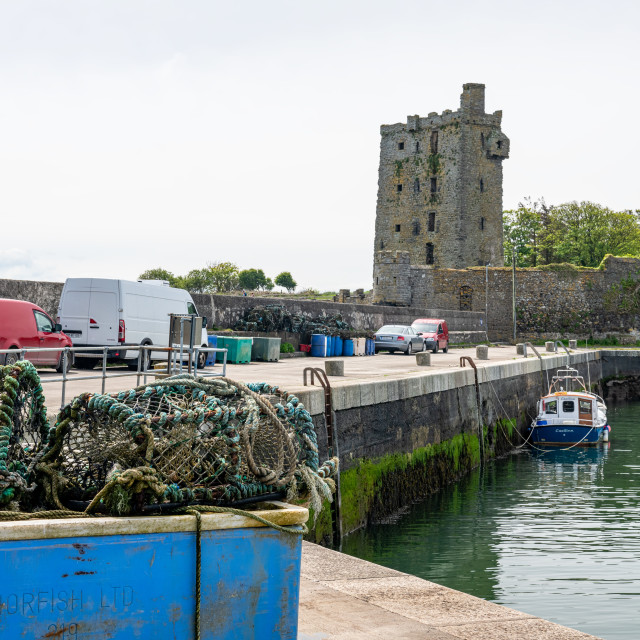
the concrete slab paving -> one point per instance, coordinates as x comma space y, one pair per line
327, 614
344, 597
288, 375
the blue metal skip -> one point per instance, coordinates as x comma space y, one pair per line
143, 586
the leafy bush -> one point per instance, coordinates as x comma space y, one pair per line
286, 347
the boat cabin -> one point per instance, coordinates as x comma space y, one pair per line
572, 407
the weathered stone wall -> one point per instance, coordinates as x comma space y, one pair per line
224, 311
45, 294
561, 303
440, 186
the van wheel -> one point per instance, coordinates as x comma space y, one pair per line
86, 363
202, 359
435, 349
445, 349
11, 358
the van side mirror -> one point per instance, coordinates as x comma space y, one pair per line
57, 328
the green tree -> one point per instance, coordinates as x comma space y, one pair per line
159, 274
285, 281
583, 233
223, 276
252, 279
268, 285
197, 281
525, 230
579, 233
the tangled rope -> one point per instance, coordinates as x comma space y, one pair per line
23, 429
179, 441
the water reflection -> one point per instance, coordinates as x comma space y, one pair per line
553, 533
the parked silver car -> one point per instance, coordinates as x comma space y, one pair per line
398, 337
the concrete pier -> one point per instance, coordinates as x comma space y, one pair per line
344, 598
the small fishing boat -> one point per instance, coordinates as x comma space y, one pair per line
569, 414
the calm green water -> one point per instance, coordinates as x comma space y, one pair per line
555, 535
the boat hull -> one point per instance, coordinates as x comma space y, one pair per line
567, 434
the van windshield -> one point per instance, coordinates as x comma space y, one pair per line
425, 327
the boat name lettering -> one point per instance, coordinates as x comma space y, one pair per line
30, 603
34, 602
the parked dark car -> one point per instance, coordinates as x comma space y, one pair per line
434, 331
23, 325
398, 337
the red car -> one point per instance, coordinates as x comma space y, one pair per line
435, 333
24, 325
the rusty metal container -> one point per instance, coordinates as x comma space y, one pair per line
127, 578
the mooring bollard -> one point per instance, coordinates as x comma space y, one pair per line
550, 346
334, 367
423, 359
482, 352
573, 344
520, 349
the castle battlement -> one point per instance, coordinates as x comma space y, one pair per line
471, 111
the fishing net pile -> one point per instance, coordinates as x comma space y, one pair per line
273, 317
176, 442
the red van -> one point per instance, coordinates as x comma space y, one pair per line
435, 333
24, 325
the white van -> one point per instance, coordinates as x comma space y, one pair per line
99, 312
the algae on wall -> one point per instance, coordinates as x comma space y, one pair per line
374, 489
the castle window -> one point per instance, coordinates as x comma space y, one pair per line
416, 228
499, 144
416, 185
400, 146
481, 185
417, 147
482, 140
429, 252
399, 188
482, 221
376, 280
434, 185
397, 227
466, 298
381, 244
434, 142
432, 221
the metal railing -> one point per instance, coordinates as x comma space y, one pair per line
175, 362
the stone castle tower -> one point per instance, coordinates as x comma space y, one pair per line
440, 188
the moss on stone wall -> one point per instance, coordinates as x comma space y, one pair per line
623, 297
433, 163
375, 488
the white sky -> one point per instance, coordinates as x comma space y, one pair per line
136, 134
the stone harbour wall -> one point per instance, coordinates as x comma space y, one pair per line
45, 294
402, 439
224, 310
557, 302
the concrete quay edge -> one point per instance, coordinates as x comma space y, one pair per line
345, 598
353, 394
